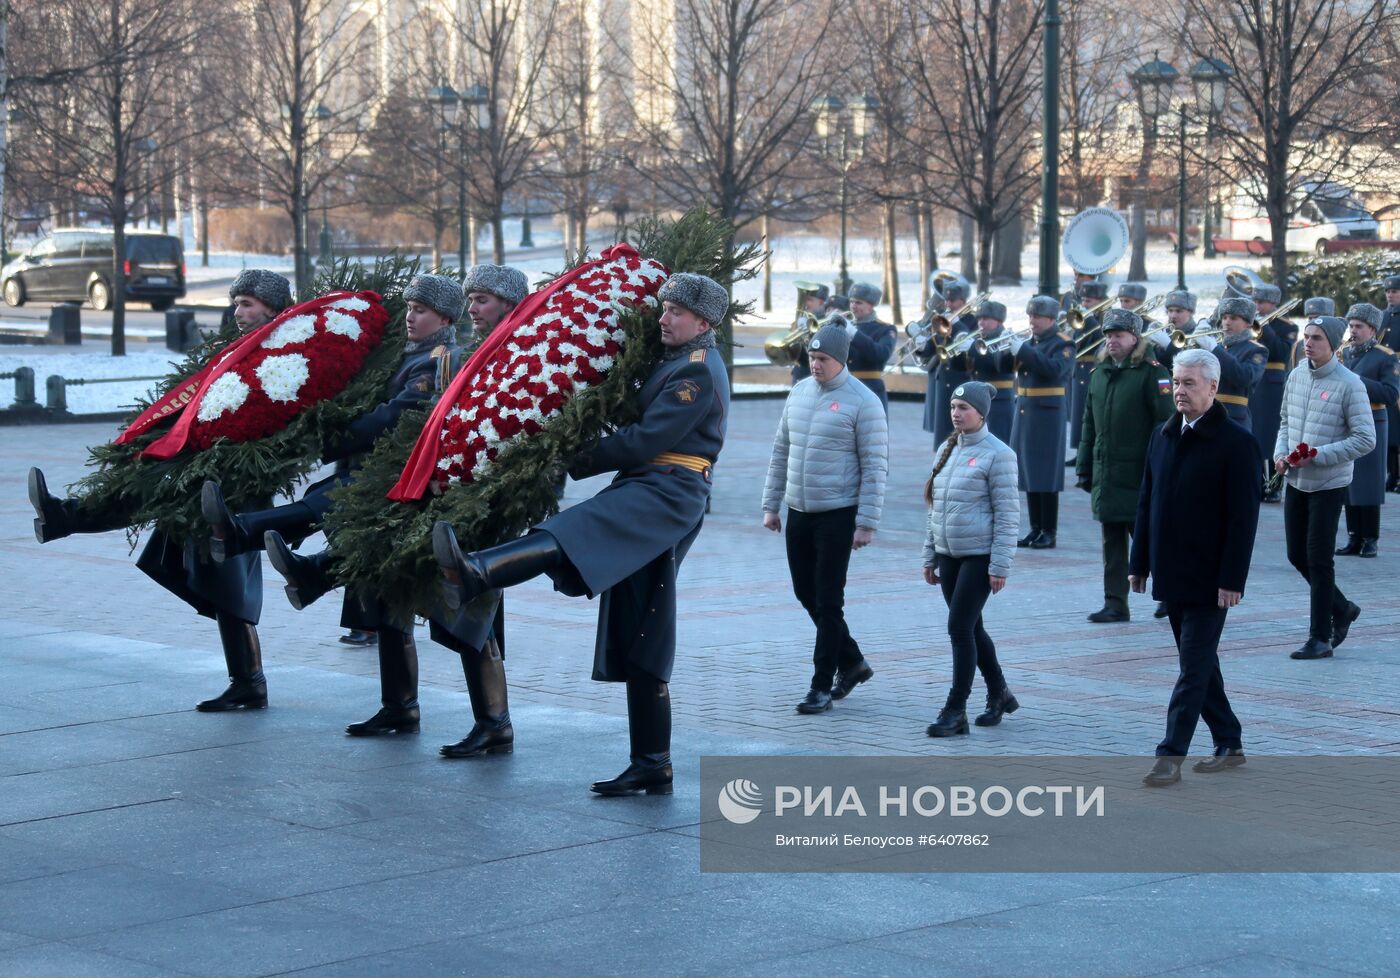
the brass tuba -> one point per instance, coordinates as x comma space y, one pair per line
785, 347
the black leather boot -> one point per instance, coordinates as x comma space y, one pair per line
1029, 538
1046, 541
1370, 547
470, 575
233, 533
1165, 771
952, 720
1223, 759
998, 702
56, 518
247, 687
1341, 626
1352, 548
398, 684
307, 577
649, 723
492, 733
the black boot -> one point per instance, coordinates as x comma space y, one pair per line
1341, 626
1029, 538
1370, 547
1161, 610
1046, 541
649, 723
398, 684
1165, 771
1352, 548
952, 720
307, 577
236, 533
247, 687
492, 733
471, 575
998, 702
56, 518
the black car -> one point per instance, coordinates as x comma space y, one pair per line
75, 265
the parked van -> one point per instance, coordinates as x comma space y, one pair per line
1334, 213
75, 265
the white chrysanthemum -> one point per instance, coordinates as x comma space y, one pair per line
282, 377
294, 330
354, 303
603, 363
339, 322
224, 395
488, 431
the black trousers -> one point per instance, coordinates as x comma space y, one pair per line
1116, 537
1310, 534
819, 553
1200, 689
1044, 511
966, 588
1364, 521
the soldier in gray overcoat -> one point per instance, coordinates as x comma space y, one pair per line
1242, 359
1379, 371
1044, 367
873, 343
1390, 336
229, 592
950, 372
1277, 337
625, 545
997, 368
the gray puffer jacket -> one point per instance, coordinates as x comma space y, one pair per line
1328, 409
976, 508
831, 451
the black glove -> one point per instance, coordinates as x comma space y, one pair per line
1086, 483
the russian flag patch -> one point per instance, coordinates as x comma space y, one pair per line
1164, 385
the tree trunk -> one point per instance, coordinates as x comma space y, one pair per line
891, 265
930, 239
437, 241
767, 266
498, 236
985, 235
968, 248
924, 293
204, 229
581, 230
1137, 266
4, 120
473, 253
1009, 241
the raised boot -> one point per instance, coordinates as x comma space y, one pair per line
307, 577
492, 733
470, 575
247, 687
56, 518
233, 533
649, 724
998, 702
398, 684
951, 722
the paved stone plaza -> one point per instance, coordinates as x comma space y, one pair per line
140, 838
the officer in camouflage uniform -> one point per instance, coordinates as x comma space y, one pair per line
1091, 293
873, 343
948, 373
229, 592
430, 357
1044, 366
997, 369
626, 543
1277, 337
1379, 371
1390, 336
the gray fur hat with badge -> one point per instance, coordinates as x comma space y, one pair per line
833, 339
1319, 305
995, 310
865, 292
1332, 328
1043, 305
269, 288
957, 290
1122, 319
1367, 313
1093, 289
1181, 299
977, 393
1132, 290
1244, 308
703, 296
1391, 283
1268, 293
439, 293
502, 281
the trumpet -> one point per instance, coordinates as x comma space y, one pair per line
955, 347
1182, 339
1002, 342
1075, 316
935, 329
1142, 311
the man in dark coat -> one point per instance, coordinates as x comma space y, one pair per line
1277, 337
947, 373
1129, 395
1390, 336
1379, 371
873, 343
1197, 514
230, 592
429, 359
1044, 367
997, 367
626, 543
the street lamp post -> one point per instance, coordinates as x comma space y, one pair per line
448, 104
476, 100
850, 122
326, 256
1153, 82
1210, 79
1050, 156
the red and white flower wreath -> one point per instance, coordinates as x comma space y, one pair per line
568, 345
309, 354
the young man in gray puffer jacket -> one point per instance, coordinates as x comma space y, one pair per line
1326, 407
829, 461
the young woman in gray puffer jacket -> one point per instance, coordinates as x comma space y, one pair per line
974, 514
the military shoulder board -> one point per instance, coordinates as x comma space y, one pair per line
1065, 336
443, 356
697, 356
1385, 349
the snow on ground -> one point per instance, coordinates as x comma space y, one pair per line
794, 257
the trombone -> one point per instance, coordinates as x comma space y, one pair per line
958, 346
1075, 316
1142, 311
1278, 313
1182, 339
934, 328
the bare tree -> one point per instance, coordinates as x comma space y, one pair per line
1098, 39
1293, 117
973, 69
117, 63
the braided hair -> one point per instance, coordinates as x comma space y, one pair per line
938, 467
